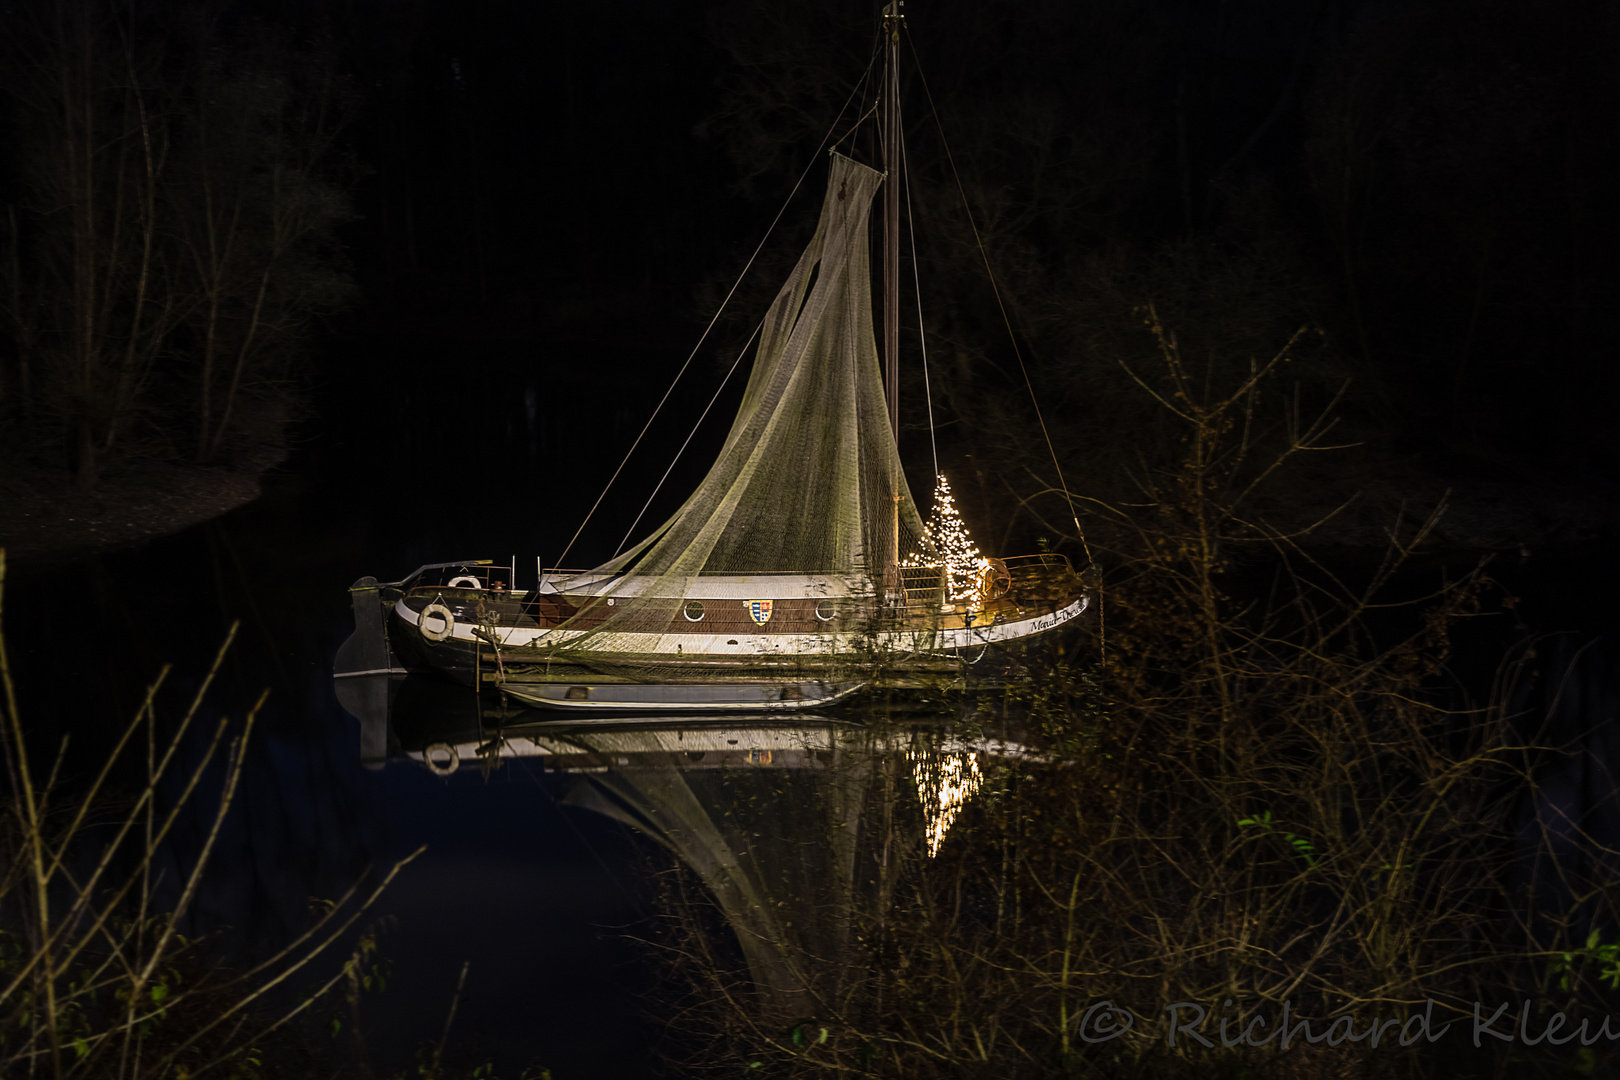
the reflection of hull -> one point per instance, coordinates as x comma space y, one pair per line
798, 825
679, 697
713, 741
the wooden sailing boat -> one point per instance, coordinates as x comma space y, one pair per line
799, 569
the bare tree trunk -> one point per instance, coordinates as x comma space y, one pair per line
24, 324
213, 270
129, 227
132, 371
241, 361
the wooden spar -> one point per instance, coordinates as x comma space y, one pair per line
891, 258
891, 217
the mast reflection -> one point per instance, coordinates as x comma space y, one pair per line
799, 828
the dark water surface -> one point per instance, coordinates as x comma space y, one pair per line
524, 876
490, 458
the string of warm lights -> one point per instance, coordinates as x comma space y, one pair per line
946, 539
943, 789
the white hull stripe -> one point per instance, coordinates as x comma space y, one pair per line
742, 587
671, 698
681, 646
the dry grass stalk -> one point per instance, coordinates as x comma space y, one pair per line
1259, 799
97, 979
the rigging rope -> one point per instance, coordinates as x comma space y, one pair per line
994, 288
922, 336
856, 126
814, 158
699, 423
860, 84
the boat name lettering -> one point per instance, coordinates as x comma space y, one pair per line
1046, 622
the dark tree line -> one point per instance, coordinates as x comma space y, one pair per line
1422, 182
1425, 182
171, 193
532, 165
1244, 803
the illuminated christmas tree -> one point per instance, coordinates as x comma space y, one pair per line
948, 537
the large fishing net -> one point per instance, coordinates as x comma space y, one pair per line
808, 485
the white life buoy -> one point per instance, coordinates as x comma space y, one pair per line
465, 581
448, 763
994, 580
436, 610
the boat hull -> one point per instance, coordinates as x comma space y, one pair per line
525, 645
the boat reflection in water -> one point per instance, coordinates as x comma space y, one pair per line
798, 827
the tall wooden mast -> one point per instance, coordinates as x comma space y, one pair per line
891, 266
891, 213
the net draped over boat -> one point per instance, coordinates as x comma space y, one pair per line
809, 480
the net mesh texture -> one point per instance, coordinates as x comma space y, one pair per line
809, 481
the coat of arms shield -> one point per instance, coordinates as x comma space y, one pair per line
759, 611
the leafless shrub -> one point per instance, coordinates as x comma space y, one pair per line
1255, 798
96, 978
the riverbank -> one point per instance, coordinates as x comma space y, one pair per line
48, 521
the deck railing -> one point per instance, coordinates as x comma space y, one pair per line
1018, 579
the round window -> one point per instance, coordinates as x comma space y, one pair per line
693, 611
825, 610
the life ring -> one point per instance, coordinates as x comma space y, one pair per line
995, 580
436, 610
465, 581
450, 764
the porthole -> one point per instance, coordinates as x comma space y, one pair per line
693, 611
826, 610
